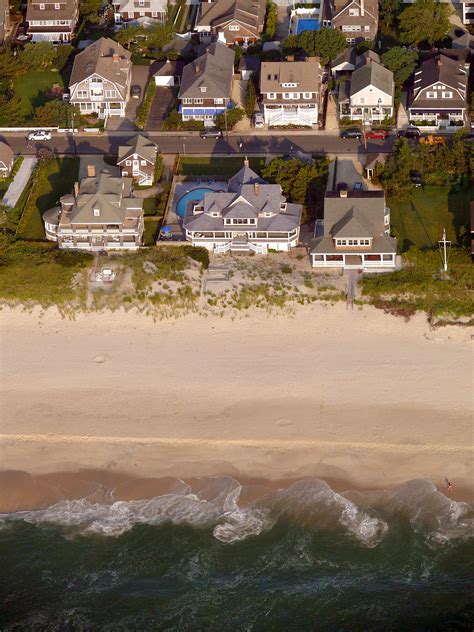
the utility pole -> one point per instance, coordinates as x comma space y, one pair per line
226, 131
444, 244
74, 148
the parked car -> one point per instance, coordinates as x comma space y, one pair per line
378, 133
409, 132
136, 92
258, 119
416, 178
39, 135
210, 133
352, 132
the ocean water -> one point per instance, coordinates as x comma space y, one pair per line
301, 558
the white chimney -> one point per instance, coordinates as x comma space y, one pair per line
362, 8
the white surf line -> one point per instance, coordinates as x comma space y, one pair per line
242, 443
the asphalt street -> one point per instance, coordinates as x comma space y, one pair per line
189, 143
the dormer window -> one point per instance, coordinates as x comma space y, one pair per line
214, 214
57, 6
234, 27
267, 215
447, 95
42, 7
431, 95
354, 12
283, 206
96, 212
203, 89
288, 85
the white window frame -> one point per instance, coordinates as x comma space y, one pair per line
188, 101
272, 95
447, 95
307, 95
198, 101
431, 95
42, 6
218, 101
57, 6
354, 13
143, 163
234, 27
203, 89
366, 28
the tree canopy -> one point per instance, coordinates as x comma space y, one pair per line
424, 21
89, 10
401, 62
388, 10
57, 113
325, 43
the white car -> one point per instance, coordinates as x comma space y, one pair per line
39, 135
258, 119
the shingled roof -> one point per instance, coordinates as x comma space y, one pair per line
98, 58
139, 145
214, 71
372, 74
250, 13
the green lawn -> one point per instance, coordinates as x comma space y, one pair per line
53, 179
31, 88
209, 166
420, 221
152, 225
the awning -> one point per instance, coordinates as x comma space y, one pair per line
200, 111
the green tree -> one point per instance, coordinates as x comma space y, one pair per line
424, 21
234, 115
57, 113
130, 34
12, 111
158, 36
8, 65
388, 10
270, 21
63, 51
39, 56
89, 10
250, 98
401, 62
325, 43
291, 44
394, 176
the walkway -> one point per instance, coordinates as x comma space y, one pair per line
331, 114
20, 181
402, 118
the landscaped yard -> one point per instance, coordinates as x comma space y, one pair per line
209, 166
420, 221
52, 180
31, 88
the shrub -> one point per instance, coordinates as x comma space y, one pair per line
198, 254
144, 108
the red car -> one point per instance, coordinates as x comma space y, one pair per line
378, 133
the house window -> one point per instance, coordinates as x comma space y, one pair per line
447, 95
198, 101
96, 212
82, 94
287, 95
362, 100
143, 163
431, 95
288, 85
110, 94
188, 101
272, 95
351, 27
218, 101
128, 163
141, 3
203, 88
234, 27
350, 40
306, 95
42, 7
366, 28
353, 12
57, 7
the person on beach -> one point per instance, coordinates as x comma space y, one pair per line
449, 485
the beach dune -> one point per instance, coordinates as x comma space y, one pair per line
358, 397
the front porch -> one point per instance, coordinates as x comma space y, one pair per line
353, 261
367, 114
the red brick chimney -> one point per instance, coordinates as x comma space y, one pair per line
256, 188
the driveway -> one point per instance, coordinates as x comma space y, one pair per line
19, 182
140, 75
160, 107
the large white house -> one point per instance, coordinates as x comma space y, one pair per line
52, 21
250, 216
369, 94
291, 92
100, 79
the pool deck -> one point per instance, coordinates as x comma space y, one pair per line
179, 188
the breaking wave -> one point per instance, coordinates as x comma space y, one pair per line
214, 503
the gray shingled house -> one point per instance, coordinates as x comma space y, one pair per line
137, 159
356, 232
101, 214
440, 92
250, 215
368, 95
233, 21
206, 84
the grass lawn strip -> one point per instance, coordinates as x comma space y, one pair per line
31, 88
212, 166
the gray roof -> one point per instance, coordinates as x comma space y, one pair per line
6, 153
349, 56
305, 74
97, 58
167, 68
67, 10
250, 13
139, 145
250, 62
372, 158
372, 74
214, 71
111, 195
248, 197
446, 71
359, 215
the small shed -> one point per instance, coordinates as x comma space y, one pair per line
248, 65
167, 73
370, 162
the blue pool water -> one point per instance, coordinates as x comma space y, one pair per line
196, 195
307, 24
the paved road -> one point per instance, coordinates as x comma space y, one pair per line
191, 143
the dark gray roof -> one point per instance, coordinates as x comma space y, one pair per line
372, 74
244, 176
250, 13
371, 159
440, 69
381, 244
352, 224
167, 68
97, 58
139, 145
214, 71
250, 62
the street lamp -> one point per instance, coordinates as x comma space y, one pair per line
74, 148
444, 244
226, 131
184, 146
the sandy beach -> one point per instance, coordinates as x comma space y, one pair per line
360, 398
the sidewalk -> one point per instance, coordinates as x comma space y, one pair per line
331, 115
20, 181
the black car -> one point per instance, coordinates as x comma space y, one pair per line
416, 178
410, 132
210, 133
352, 132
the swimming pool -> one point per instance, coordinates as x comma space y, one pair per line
307, 24
197, 195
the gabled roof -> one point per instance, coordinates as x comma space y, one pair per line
250, 62
305, 74
167, 68
250, 13
240, 208
351, 225
441, 69
367, 207
214, 71
244, 176
139, 145
6, 153
372, 74
371, 8
134, 6
67, 10
111, 195
98, 58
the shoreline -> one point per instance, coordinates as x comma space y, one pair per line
21, 491
362, 398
